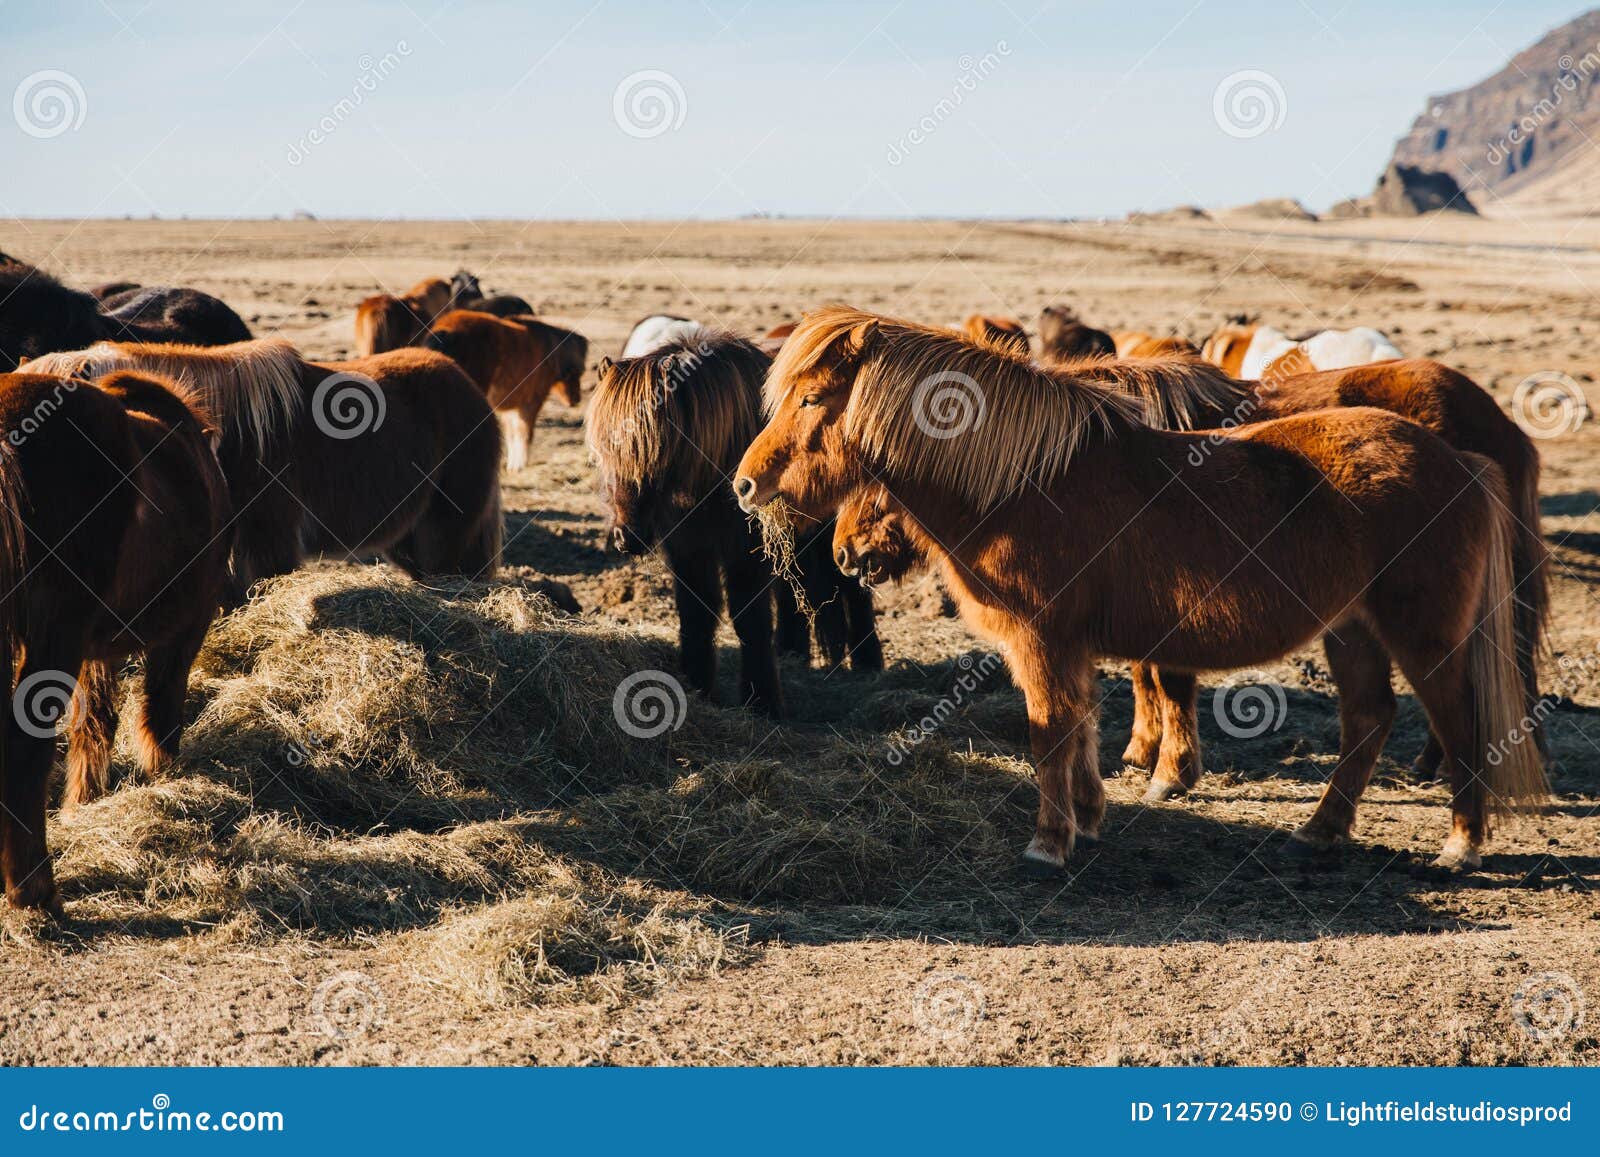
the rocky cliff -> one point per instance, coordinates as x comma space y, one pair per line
1521, 127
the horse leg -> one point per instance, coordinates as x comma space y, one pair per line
866, 649
697, 589
1062, 734
1178, 765
1145, 741
750, 607
24, 856
1360, 668
92, 729
824, 585
529, 415
794, 632
268, 543
166, 685
1447, 692
1425, 768
517, 436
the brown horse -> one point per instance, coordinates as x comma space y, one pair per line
1227, 570
113, 542
1450, 404
1062, 337
1184, 394
516, 361
665, 430
396, 454
388, 322
1001, 332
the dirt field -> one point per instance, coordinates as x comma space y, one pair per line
488, 873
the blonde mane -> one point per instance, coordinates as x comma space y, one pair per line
930, 404
252, 387
681, 415
1176, 392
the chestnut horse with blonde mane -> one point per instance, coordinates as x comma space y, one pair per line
1184, 394
395, 455
516, 362
387, 321
1146, 568
114, 538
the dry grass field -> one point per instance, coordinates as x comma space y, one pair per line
407, 828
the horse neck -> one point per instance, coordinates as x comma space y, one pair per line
1005, 555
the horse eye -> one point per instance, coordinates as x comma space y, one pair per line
811, 400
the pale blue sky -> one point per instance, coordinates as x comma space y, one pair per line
483, 108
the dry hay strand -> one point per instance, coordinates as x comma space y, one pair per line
775, 524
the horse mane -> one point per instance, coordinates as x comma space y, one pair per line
1024, 421
1175, 392
680, 416
253, 388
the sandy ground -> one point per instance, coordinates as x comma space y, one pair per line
1185, 940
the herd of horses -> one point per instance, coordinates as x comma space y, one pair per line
1111, 494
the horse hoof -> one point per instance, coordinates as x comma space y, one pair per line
1038, 864
1298, 851
1458, 859
1085, 844
1161, 790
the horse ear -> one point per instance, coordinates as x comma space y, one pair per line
850, 345
604, 367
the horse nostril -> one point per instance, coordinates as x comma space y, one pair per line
619, 539
842, 557
744, 487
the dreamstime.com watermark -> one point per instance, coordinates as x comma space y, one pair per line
947, 1005
347, 1004
160, 1117
649, 703
373, 74
973, 72
28, 425
948, 404
40, 702
973, 675
1573, 74
48, 103
347, 405
1548, 1006
1248, 704
1549, 404
648, 103
1249, 103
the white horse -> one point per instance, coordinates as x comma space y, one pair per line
1332, 349
656, 331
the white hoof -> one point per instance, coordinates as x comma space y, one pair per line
1459, 855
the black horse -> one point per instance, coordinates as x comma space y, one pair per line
39, 315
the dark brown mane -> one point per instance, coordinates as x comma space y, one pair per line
685, 412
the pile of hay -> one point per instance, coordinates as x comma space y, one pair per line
368, 755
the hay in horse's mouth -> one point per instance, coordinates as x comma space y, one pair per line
775, 523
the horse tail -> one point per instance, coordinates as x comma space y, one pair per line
13, 569
382, 324
1510, 772
1530, 565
